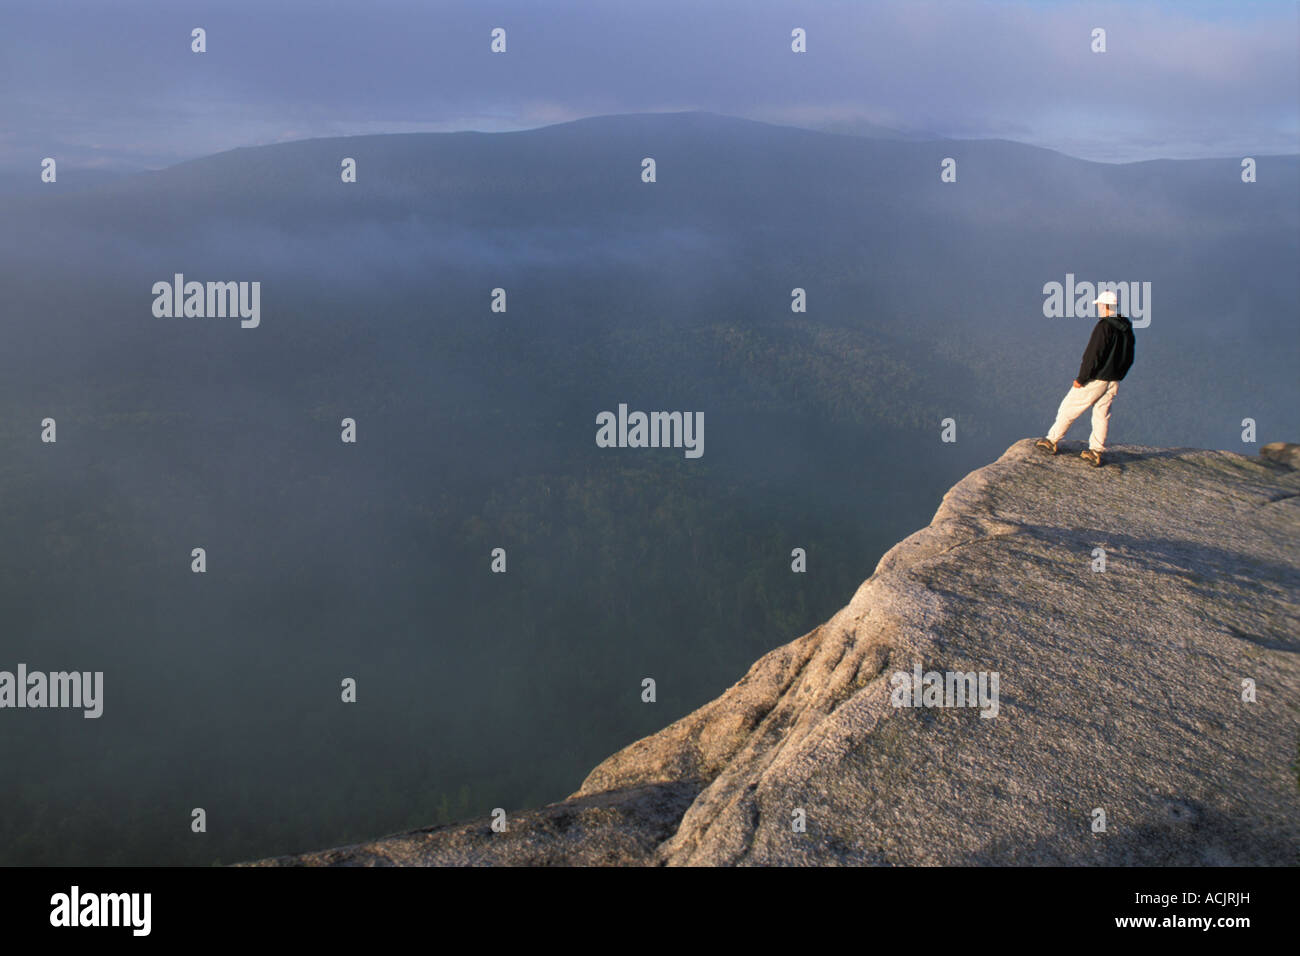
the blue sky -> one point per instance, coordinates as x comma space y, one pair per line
114, 85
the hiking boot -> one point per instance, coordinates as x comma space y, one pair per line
1091, 457
1046, 445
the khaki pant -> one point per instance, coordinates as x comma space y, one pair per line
1097, 393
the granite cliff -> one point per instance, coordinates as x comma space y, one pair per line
1143, 624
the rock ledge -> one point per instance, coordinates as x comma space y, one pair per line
1119, 690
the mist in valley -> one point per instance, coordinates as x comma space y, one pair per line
476, 430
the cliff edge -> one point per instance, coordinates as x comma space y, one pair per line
1131, 635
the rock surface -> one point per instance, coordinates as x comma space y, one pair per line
1119, 690
1285, 452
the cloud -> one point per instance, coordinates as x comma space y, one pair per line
1177, 80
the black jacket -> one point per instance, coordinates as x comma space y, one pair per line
1110, 351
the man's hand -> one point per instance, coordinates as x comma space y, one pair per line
1076, 384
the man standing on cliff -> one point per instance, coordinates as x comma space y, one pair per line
1106, 361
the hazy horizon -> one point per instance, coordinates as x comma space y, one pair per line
126, 171
1177, 81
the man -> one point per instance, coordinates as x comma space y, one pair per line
1106, 361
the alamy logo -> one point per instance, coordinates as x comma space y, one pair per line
210, 300
75, 908
947, 689
1074, 300
653, 430
55, 689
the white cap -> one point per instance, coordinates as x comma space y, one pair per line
1106, 298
